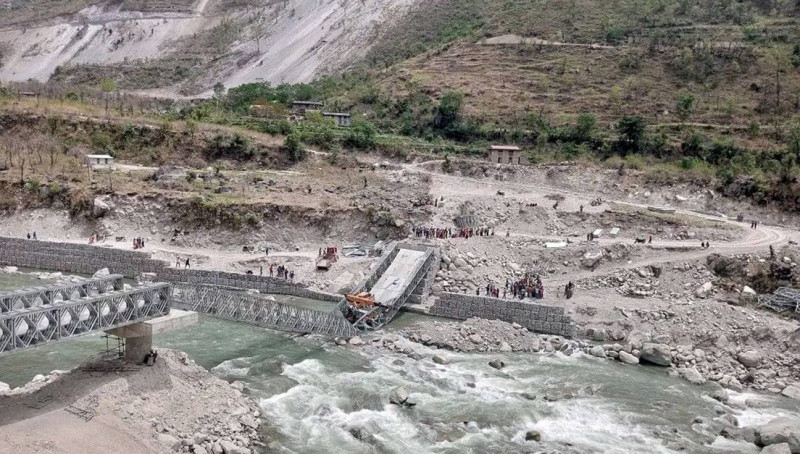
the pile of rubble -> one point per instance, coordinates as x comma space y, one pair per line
475, 335
197, 413
173, 406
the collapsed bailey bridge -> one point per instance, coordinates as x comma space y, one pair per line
402, 276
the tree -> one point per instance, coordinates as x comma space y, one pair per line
778, 61
293, 148
585, 128
448, 112
631, 133
191, 127
685, 106
219, 92
361, 134
793, 137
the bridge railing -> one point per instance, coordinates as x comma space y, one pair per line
377, 271
49, 294
29, 327
241, 307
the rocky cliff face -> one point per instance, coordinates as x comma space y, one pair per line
197, 45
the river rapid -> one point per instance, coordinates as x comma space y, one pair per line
316, 396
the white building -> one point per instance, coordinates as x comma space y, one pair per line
506, 154
99, 159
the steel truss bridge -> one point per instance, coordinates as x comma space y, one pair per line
239, 306
40, 315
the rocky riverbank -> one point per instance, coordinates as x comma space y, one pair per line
173, 406
736, 368
420, 342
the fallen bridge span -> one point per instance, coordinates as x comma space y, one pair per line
240, 306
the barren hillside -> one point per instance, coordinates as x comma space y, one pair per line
187, 46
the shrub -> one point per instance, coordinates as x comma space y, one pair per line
685, 106
251, 219
361, 135
615, 34
294, 148
631, 134
233, 146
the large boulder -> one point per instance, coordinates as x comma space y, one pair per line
780, 430
692, 375
533, 435
731, 382
749, 358
748, 295
169, 441
101, 206
627, 358
399, 395
598, 351
356, 341
791, 391
658, 354
704, 290
780, 448
591, 259
230, 448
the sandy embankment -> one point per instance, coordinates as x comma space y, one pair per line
175, 405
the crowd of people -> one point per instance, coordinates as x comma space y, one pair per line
491, 290
527, 287
281, 272
449, 232
138, 243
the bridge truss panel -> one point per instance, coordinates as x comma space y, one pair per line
241, 307
52, 294
33, 326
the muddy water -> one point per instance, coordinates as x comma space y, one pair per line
314, 394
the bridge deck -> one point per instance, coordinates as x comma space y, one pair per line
398, 276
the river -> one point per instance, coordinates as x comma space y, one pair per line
313, 393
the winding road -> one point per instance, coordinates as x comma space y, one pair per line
662, 251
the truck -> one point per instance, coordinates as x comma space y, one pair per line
327, 257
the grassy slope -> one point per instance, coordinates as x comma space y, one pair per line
716, 51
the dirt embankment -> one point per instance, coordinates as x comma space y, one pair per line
165, 408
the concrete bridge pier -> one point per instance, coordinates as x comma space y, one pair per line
139, 336
138, 340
